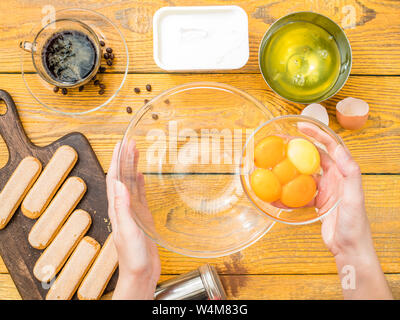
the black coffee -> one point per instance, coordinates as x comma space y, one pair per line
69, 56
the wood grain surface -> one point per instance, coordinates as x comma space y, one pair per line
372, 27
289, 262
257, 287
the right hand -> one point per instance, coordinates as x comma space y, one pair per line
346, 230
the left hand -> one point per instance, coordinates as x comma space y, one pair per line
139, 263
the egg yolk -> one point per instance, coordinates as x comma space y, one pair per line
304, 155
299, 192
265, 185
269, 152
285, 171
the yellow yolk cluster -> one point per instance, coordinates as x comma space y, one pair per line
284, 171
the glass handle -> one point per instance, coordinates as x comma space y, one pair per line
26, 45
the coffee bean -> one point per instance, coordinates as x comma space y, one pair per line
64, 91
146, 101
102, 43
96, 82
148, 87
137, 90
102, 85
106, 55
129, 109
166, 101
154, 116
55, 89
109, 62
111, 56
102, 69
109, 50
101, 91
81, 88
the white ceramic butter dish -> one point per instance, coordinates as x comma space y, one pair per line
200, 38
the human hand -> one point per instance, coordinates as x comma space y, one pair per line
139, 263
346, 230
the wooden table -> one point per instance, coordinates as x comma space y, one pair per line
289, 262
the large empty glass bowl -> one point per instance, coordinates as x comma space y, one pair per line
189, 143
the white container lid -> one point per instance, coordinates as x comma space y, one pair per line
200, 38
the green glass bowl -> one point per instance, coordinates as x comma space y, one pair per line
332, 28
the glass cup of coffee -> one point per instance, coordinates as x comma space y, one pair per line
66, 53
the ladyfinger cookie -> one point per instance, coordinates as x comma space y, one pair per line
54, 257
17, 186
74, 270
49, 181
96, 280
59, 209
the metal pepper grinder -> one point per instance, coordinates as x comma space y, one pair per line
200, 284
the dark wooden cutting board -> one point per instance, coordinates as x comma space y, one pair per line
15, 250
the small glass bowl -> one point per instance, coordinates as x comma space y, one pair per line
328, 179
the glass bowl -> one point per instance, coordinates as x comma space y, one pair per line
327, 178
338, 35
189, 143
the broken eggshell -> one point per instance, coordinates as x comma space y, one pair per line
352, 113
317, 112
